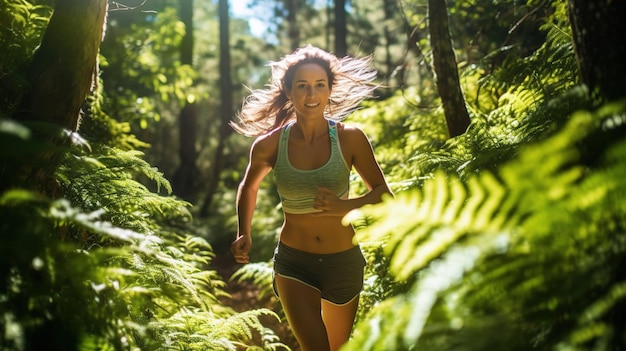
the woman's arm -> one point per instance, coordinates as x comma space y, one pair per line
259, 165
355, 142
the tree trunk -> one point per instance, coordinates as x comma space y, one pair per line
226, 108
598, 28
184, 180
447, 76
293, 27
341, 31
389, 10
61, 75
329, 21
63, 69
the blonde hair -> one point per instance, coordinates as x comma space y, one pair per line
350, 81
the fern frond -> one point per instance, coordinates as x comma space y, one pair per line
105, 180
261, 274
200, 330
507, 248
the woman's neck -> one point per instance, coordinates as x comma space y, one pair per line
311, 130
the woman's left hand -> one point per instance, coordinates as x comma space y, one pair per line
329, 204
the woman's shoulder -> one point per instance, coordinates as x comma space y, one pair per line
349, 132
267, 144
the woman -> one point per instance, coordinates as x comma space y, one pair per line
318, 268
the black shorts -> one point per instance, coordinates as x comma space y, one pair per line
338, 276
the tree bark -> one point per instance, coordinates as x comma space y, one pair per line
341, 30
63, 69
184, 180
598, 28
447, 76
226, 107
61, 75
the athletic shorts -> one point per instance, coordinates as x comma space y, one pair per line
337, 276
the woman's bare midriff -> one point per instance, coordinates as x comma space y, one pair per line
316, 234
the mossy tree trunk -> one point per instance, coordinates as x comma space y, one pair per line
447, 75
61, 75
63, 69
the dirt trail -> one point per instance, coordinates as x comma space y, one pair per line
245, 297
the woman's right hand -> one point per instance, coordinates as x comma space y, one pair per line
240, 248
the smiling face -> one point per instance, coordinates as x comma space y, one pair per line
310, 90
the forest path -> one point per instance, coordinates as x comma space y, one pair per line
245, 297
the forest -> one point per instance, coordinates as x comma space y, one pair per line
499, 125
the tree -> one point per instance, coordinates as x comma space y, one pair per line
293, 28
341, 31
389, 9
500, 301
226, 106
598, 31
447, 76
598, 27
184, 181
107, 264
59, 66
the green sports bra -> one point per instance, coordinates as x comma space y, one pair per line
297, 187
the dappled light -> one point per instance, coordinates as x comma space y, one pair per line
117, 212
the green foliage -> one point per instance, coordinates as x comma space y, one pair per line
521, 101
504, 254
380, 283
99, 126
510, 237
111, 175
201, 330
482, 28
139, 277
260, 274
399, 131
111, 263
141, 68
22, 27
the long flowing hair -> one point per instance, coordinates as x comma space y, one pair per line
350, 79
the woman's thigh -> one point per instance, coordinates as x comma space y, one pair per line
302, 306
339, 320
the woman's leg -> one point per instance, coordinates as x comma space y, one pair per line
301, 304
339, 320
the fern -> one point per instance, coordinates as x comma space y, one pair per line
113, 261
201, 330
261, 274
525, 100
23, 24
489, 252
